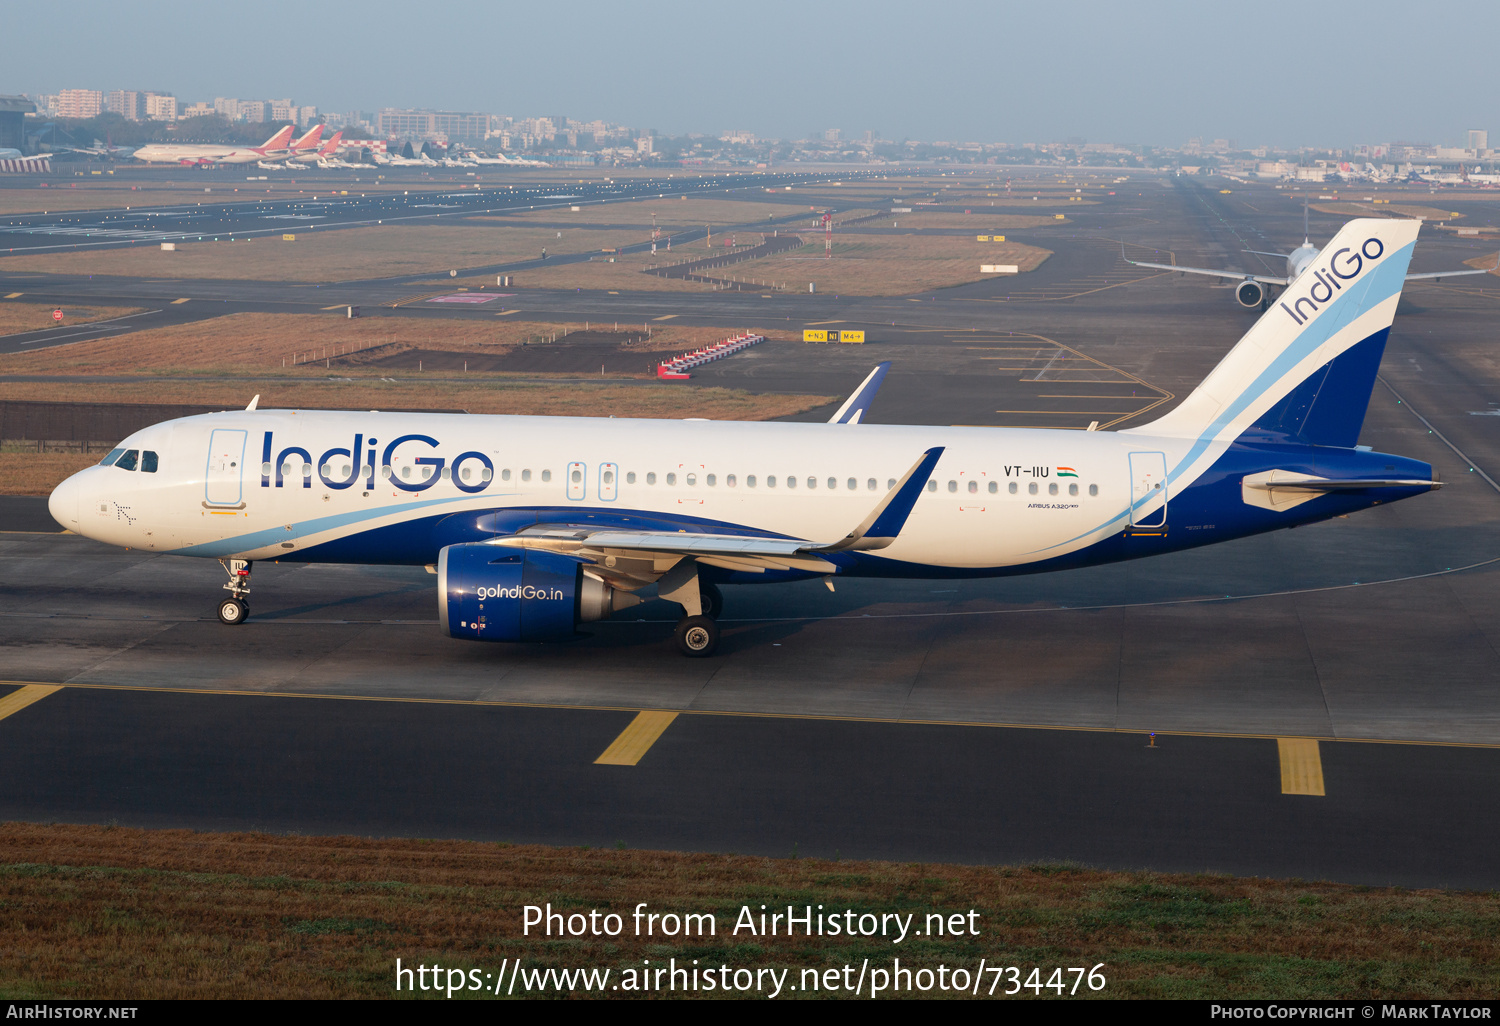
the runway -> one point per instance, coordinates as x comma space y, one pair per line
985, 721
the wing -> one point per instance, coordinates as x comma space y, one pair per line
1456, 274
637, 558
1265, 279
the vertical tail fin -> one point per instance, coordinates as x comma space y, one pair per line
331, 147
308, 141
1305, 370
278, 140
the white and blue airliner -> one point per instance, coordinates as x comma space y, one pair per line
534, 525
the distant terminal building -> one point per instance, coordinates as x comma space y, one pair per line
1479, 141
431, 124
13, 111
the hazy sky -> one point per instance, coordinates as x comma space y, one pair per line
1153, 72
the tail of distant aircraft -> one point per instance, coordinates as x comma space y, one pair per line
279, 140
1304, 372
308, 141
331, 147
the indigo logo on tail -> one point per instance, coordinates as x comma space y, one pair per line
1328, 280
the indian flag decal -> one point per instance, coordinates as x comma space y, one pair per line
1066, 472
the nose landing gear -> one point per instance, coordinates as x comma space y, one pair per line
236, 608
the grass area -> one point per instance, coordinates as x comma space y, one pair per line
95, 912
19, 316
671, 210
1354, 209
342, 255
1486, 262
888, 265
260, 343
37, 473
982, 221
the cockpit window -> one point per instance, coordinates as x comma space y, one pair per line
129, 459
114, 454
148, 462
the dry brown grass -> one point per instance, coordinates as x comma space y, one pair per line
259, 342
670, 210
100, 912
1486, 262
981, 221
37, 473
343, 255
1360, 209
889, 265
17, 317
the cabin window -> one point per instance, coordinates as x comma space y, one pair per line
505, 474
953, 486
771, 481
729, 480
750, 481
344, 470
306, 469
651, 477
833, 483
525, 475
326, 470
890, 484
148, 462
931, 485
464, 473
872, 484
546, 475
128, 459
406, 473
994, 487
1052, 488
1093, 489
853, 485
1031, 488
812, 482
973, 487
446, 474
426, 473
577, 476
692, 479
630, 478
791, 482
1012, 488
609, 477
1072, 489
385, 471
113, 455
710, 480
486, 474
671, 479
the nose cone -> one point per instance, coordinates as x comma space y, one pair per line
63, 503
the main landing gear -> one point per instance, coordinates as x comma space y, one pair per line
235, 609
697, 634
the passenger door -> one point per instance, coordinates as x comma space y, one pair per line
1148, 483
223, 480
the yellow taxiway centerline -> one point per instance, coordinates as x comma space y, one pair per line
637, 738
26, 695
1301, 765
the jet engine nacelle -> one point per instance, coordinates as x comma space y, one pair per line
494, 593
1250, 294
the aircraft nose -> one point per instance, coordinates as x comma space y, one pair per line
63, 503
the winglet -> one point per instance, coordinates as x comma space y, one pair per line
885, 521
253, 403
856, 405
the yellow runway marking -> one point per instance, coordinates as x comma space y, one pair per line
824, 322
506, 313
1301, 765
18, 700
179, 302
664, 317
336, 306
15, 295
636, 739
